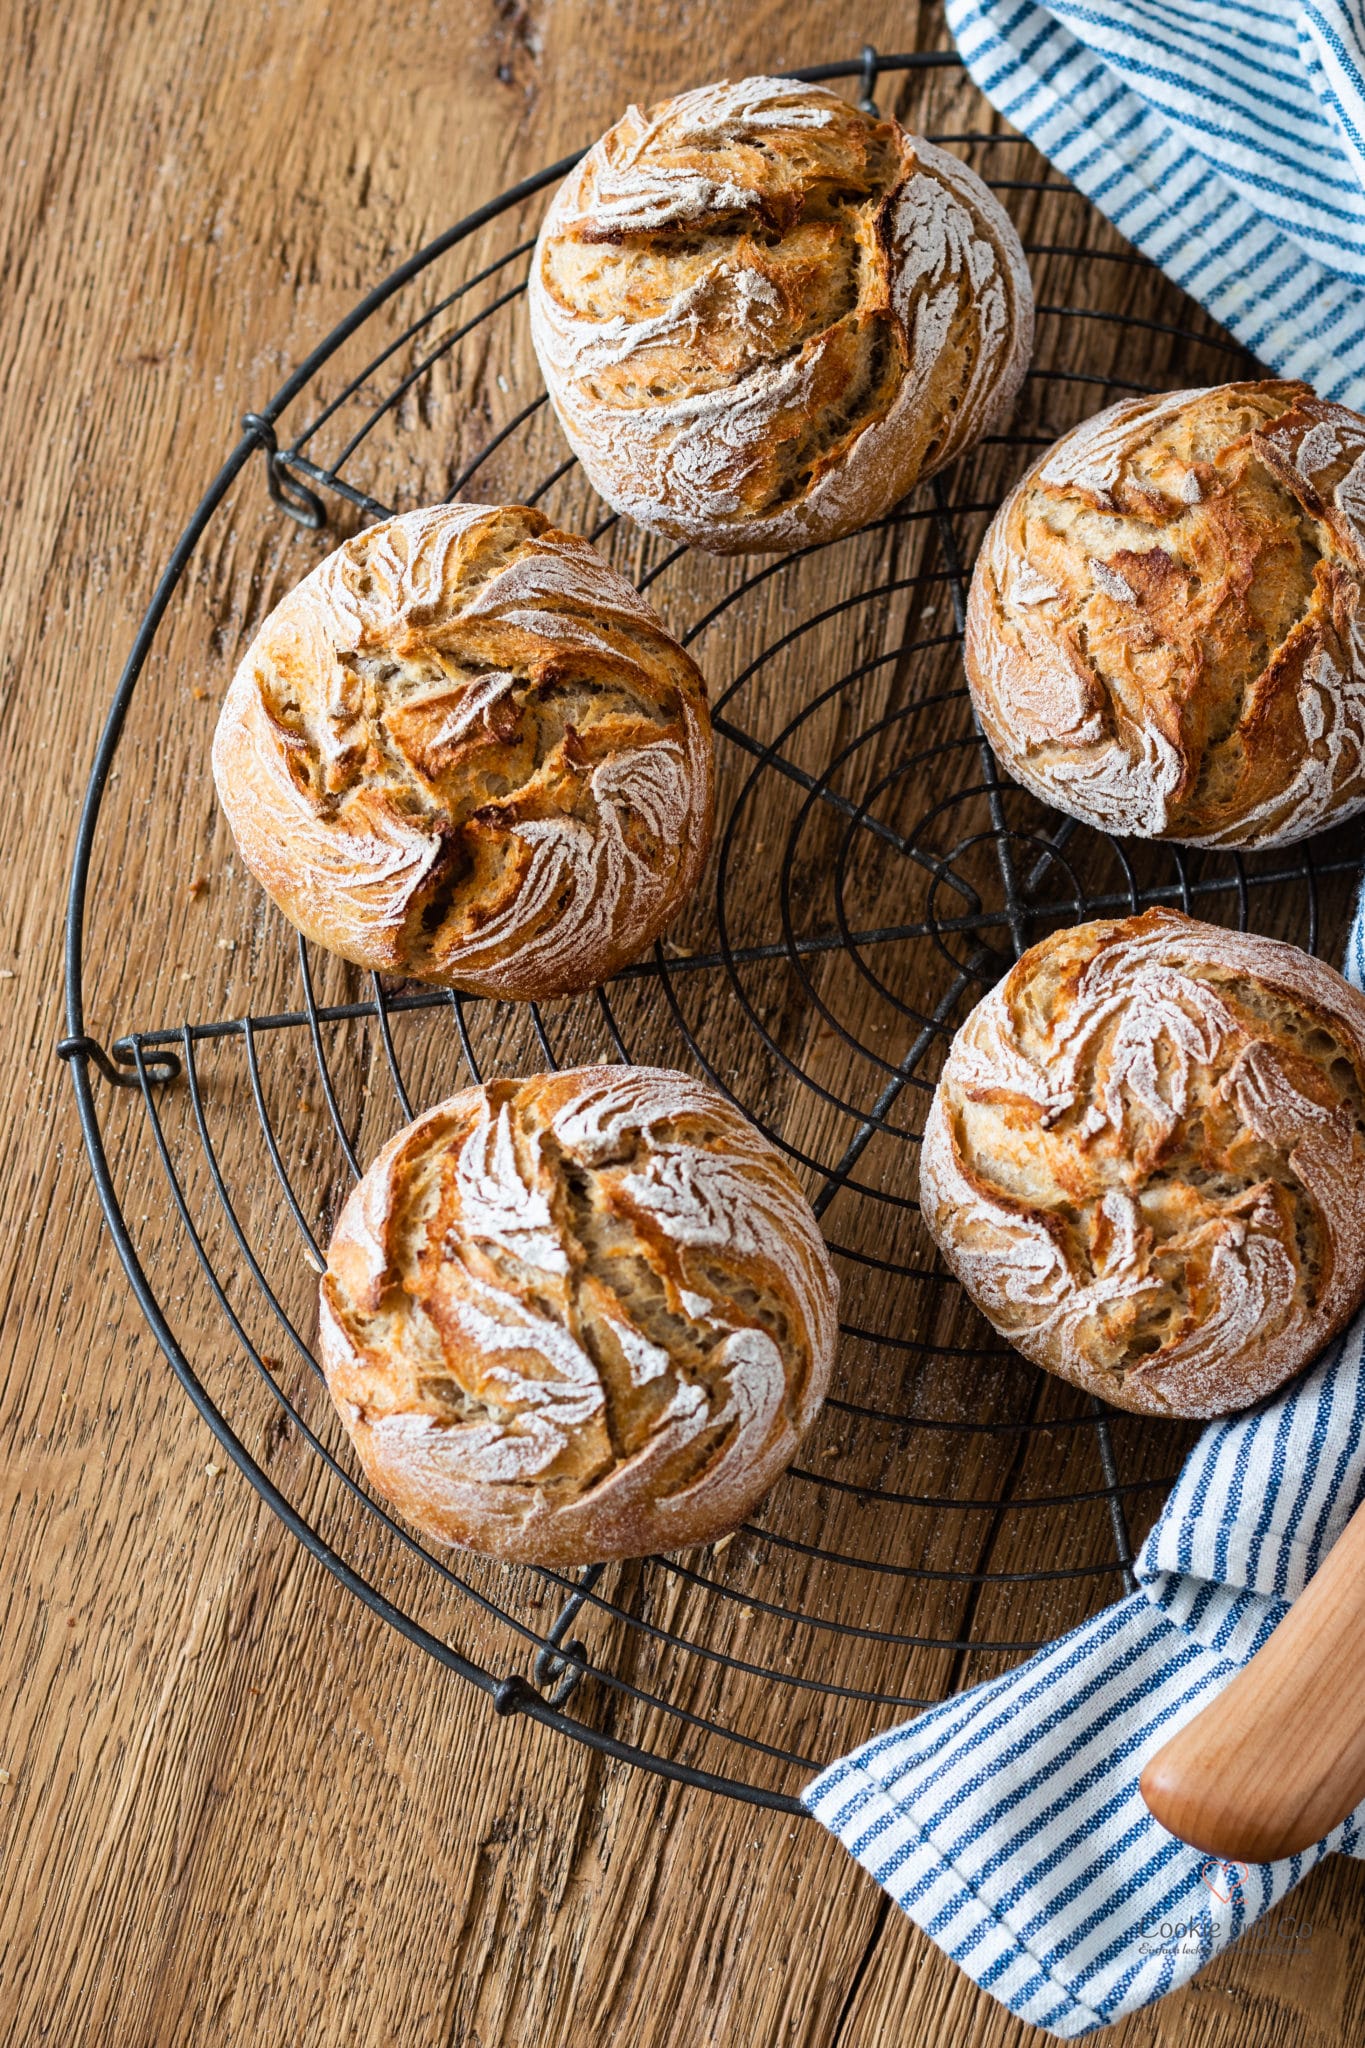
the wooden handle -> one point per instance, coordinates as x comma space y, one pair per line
1279, 1757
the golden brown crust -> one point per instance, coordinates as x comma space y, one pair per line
1166, 630
583, 1316
1145, 1160
465, 749
763, 316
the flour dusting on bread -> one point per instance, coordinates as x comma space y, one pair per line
1166, 628
581, 1316
762, 315
1145, 1160
466, 750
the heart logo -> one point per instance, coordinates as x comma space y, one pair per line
1224, 1880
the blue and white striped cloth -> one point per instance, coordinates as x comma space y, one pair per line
1008, 1822
1225, 138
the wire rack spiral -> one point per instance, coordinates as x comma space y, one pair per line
873, 875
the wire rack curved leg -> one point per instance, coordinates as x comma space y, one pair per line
556, 1671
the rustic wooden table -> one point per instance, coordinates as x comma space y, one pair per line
235, 1807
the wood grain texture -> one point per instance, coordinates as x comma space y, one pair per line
1277, 1760
238, 1808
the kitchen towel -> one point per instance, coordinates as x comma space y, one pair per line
1008, 1823
1225, 138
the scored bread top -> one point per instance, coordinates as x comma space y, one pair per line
582, 1316
762, 315
465, 749
1166, 631
1145, 1160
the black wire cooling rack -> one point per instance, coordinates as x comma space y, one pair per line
873, 875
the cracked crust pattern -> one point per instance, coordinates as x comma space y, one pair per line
1166, 631
763, 316
464, 749
1145, 1160
583, 1316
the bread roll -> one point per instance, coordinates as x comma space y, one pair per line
583, 1316
464, 749
762, 316
1145, 1160
1166, 633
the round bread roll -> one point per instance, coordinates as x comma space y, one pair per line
1145, 1160
465, 749
583, 1316
762, 316
1166, 632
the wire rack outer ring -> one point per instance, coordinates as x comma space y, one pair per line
137, 1065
